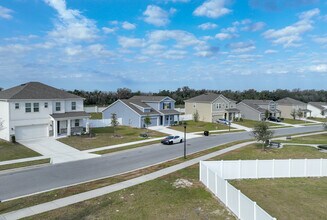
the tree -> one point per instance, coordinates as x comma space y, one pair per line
293, 113
147, 121
196, 116
299, 113
266, 114
261, 132
114, 121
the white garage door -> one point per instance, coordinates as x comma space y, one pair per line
30, 132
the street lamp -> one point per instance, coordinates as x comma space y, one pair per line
184, 140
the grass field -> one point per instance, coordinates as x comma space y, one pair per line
312, 139
292, 121
24, 164
288, 198
193, 126
251, 123
318, 119
96, 115
10, 151
107, 137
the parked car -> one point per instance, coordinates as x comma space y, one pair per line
172, 140
271, 118
223, 121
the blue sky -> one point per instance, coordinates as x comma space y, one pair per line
164, 44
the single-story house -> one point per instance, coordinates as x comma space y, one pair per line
318, 109
287, 105
256, 109
211, 107
133, 111
36, 110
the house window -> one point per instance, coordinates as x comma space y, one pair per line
77, 123
73, 105
45, 105
16, 105
36, 107
167, 105
28, 107
58, 106
219, 106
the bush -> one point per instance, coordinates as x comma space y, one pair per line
13, 139
241, 119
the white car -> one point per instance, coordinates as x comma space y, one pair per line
172, 140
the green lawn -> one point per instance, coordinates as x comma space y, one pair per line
96, 115
193, 126
24, 164
10, 151
288, 198
250, 123
312, 139
106, 137
292, 121
318, 119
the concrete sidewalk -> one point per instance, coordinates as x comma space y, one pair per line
237, 126
7, 162
55, 150
70, 200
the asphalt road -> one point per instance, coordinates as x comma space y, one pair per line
40, 179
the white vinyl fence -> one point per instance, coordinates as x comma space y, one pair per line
213, 174
99, 123
93, 109
181, 110
187, 117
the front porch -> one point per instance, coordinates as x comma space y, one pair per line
168, 120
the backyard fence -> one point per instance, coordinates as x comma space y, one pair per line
213, 174
99, 123
187, 117
93, 109
181, 110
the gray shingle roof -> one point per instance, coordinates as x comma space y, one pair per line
257, 102
290, 101
148, 98
129, 104
81, 114
35, 90
169, 112
318, 105
208, 98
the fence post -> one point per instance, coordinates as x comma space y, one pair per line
254, 211
273, 169
256, 168
239, 203
289, 167
240, 169
226, 192
200, 173
305, 167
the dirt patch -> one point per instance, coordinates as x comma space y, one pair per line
182, 183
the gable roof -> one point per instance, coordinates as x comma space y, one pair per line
35, 90
145, 98
319, 105
207, 98
129, 103
290, 101
255, 104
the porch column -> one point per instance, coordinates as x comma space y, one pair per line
54, 129
69, 129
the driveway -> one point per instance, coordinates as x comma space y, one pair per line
57, 151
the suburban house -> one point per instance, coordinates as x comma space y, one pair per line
35, 110
287, 105
212, 107
256, 109
133, 111
318, 109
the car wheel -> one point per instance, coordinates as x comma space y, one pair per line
170, 143
181, 141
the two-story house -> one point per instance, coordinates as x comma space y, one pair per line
318, 109
133, 111
212, 107
256, 109
287, 105
35, 110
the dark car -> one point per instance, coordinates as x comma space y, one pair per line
172, 140
271, 118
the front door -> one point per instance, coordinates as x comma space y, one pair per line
161, 119
225, 116
58, 127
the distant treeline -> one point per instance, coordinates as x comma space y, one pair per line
105, 98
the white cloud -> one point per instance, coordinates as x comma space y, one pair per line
320, 68
5, 13
127, 42
128, 26
107, 30
157, 16
207, 26
242, 47
320, 39
224, 36
212, 9
254, 26
290, 36
270, 51
71, 25
175, 1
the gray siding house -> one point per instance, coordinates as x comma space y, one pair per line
287, 105
256, 109
133, 111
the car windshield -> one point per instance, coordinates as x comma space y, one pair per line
169, 137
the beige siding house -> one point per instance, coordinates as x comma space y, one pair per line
287, 105
212, 107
